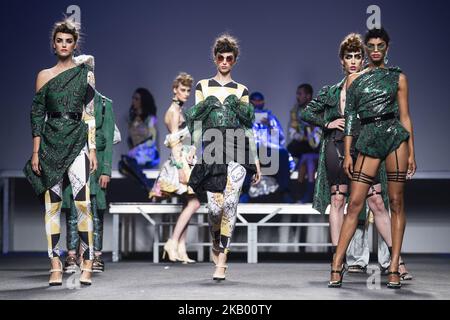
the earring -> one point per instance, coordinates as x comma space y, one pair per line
365, 63
386, 59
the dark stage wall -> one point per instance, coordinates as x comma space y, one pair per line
284, 43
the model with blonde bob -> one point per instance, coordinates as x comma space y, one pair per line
175, 172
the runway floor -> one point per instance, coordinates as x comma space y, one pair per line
25, 277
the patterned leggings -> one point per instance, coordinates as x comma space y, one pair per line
73, 240
223, 208
78, 174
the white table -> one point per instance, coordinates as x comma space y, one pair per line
269, 210
7, 180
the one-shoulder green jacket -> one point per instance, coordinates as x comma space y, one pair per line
374, 93
61, 139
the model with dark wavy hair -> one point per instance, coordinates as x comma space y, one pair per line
142, 135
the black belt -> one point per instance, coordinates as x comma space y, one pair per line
66, 115
383, 117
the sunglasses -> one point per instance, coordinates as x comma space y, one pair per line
376, 47
221, 58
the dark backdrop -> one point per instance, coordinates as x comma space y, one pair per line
284, 43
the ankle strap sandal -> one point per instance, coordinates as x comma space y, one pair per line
392, 284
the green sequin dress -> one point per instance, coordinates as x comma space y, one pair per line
61, 139
374, 93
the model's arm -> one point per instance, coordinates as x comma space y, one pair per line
249, 129
350, 119
108, 131
38, 120
89, 119
89, 111
194, 114
151, 127
405, 119
172, 121
293, 125
313, 112
251, 138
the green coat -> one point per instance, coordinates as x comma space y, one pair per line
320, 111
104, 120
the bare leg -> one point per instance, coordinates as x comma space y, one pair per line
396, 168
380, 213
192, 205
383, 220
365, 169
183, 236
336, 216
172, 247
180, 229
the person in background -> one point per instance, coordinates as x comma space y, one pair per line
305, 140
143, 153
269, 136
104, 137
175, 173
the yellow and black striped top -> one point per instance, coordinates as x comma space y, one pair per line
210, 87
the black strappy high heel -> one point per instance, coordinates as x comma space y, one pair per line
405, 275
338, 283
391, 284
394, 285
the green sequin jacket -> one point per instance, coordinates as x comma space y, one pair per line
212, 114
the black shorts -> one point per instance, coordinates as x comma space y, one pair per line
334, 155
